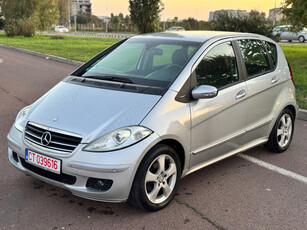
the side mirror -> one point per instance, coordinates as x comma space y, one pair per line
204, 91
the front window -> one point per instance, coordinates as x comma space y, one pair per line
219, 67
152, 62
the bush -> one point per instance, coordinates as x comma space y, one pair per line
12, 28
57, 37
27, 27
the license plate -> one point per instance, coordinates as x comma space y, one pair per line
44, 162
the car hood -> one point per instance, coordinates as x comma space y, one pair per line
88, 111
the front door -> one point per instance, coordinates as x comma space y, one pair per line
218, 123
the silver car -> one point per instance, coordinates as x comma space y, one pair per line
285, 33
151, 109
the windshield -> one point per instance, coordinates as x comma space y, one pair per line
151, 62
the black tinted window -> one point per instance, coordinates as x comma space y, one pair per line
272, 51
255, 58
219, 67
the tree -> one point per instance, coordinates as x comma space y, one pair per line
115, 21
35, 14
255, 22
192, 22
46, 14
64, 8
83, 18
295, 13
1, 21
145, 14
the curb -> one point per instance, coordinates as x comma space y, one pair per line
42, 55
98, 35
302, 114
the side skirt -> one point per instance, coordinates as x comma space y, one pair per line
229, 154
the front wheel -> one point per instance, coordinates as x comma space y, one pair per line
281, 135
157, 179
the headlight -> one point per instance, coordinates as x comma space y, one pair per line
20, 121
118, 139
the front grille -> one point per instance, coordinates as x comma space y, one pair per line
58, 141
63, 178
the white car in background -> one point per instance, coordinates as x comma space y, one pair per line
61, 29
285, 33
176, 28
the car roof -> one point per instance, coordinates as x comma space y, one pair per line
284, 26
195, 36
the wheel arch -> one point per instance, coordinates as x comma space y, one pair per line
292, 109
177, 146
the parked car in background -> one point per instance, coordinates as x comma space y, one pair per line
61, 29
151, 109
176, 28
285, 33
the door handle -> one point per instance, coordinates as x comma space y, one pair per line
241, 94
274, 80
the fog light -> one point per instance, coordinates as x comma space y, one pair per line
100, 184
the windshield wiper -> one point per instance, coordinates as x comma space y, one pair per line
110, 78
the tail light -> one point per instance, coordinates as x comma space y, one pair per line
291, 74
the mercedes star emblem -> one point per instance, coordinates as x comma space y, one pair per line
46, 138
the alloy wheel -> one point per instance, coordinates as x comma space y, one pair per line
160, 179
284, 130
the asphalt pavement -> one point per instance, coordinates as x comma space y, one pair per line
256, 190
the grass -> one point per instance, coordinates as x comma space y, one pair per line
76, 48
83, 48
297, 57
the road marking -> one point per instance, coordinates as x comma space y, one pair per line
1, 60
274, 168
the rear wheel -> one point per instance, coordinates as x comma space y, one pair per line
301, 39
281, 135
157, 179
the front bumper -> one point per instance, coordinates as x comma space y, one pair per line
119, 166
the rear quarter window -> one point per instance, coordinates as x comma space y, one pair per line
272, 49
255, 57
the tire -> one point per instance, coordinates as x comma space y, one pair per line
162, 181
282, 132
301, 39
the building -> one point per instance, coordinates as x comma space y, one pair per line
211, 15
232, 13
84, 5
275, 14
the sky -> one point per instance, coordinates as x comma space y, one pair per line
183, 9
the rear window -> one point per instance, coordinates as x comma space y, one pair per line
272, 51
255, 57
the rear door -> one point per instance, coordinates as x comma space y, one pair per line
263, 86
218, 123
